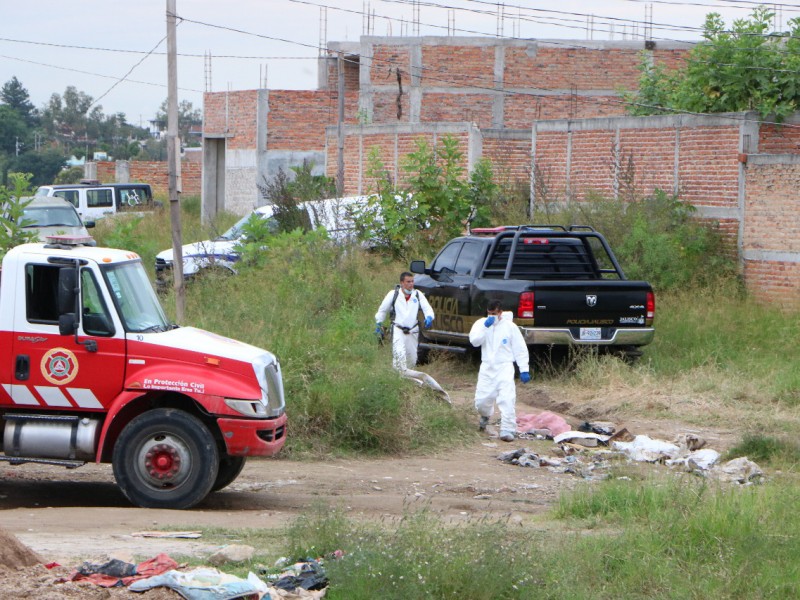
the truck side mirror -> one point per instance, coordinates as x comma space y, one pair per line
66, 324
417, 266
67, 282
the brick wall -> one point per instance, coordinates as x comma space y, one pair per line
771, 232
231, 115
391, 145
156, 174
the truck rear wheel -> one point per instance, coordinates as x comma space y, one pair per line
229, 469
165, 458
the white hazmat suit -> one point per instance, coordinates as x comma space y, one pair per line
501, 346
406, 308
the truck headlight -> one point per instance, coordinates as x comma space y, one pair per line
248, 408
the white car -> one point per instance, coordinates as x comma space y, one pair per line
334, 214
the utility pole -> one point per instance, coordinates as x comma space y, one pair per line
172, 162
340, 129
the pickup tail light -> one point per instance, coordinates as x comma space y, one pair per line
651, 308
525, 307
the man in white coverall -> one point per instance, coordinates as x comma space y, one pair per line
501, 344
403, 305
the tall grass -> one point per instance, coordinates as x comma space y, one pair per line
677, 537
717, 355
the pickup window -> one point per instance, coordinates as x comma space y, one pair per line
543, 258
460, 258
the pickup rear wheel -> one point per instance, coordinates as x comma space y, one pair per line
165, 458
229, 469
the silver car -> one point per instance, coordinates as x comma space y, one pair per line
54, 216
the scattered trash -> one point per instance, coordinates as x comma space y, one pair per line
590, 449
168, 534
581, 438
118, 573
599, 427
741, 470
424, 379
646, 449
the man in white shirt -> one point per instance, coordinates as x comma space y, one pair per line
402, 305
501, 344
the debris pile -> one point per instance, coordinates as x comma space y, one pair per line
591, 449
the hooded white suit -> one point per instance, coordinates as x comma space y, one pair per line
406, 309
501, 346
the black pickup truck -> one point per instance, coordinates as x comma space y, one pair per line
563, 285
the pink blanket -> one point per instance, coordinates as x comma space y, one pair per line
544, 420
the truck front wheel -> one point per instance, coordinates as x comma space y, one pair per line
229, 469
165, 458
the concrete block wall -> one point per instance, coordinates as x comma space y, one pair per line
771, 232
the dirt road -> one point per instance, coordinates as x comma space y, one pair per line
69, 516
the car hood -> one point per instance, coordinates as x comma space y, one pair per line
205, 249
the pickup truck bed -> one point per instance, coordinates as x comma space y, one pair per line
564, 286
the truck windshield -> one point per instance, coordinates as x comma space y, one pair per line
135, 299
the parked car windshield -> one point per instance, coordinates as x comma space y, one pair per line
50, 216
235, 232
134, 296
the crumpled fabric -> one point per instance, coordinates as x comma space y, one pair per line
204, 584
119, 573
544, 420
307, 575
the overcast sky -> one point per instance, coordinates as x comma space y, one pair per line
116, 51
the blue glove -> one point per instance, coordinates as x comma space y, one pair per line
428, 322
489, 321
525, 377
377, 328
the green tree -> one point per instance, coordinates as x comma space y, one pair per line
44, 165
13, 130
188, 116
435, 202
746, 67
13, 201
16, 97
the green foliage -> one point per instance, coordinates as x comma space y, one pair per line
12, 205
767, 450
252, 245
70, 175
419, 557
745, 67
656, 239
434, 203
286, 194
311, 303
681, 539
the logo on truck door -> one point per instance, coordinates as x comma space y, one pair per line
59, 366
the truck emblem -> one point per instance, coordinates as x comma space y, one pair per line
591, 300
59, 366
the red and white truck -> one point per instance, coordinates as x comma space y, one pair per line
92, 370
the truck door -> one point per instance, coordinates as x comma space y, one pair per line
453, 273
54, 371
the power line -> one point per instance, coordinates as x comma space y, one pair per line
41, 64
609, 99
119, 50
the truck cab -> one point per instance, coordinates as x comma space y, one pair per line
93, 370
